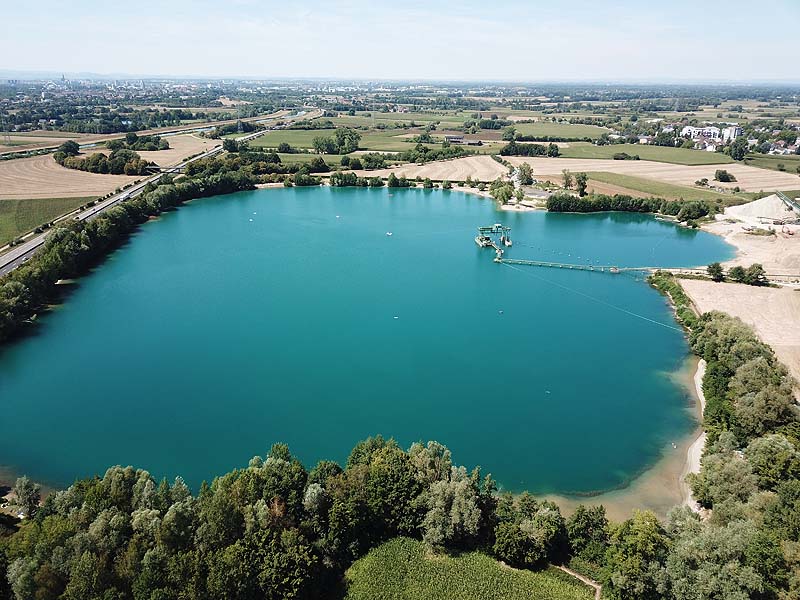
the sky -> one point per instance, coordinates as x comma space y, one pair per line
501, 40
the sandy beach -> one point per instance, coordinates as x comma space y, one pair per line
695, 451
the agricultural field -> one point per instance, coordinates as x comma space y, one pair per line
302, 159
678, 156
31, 140
649, 187
20, 216
790, 163
180, 147
389, 140
402, 569
299, 138
479, 168
565, 130
42, 177
748, 179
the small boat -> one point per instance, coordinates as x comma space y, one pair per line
389, 233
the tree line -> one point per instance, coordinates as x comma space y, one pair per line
515, 149
143, 143
682, 210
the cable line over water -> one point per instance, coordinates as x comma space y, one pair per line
594, 299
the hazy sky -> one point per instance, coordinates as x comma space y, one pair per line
503, 39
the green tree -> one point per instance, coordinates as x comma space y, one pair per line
516, 548
28, 495
723, 175
755, 275
230, 145
739, 148
737, 274
714, 560
525, 174
587, 529
454, 516
581, 179
553, 151
715, 272
774, 459
635, 559
70, 148
567, 178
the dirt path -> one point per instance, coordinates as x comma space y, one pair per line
598, 589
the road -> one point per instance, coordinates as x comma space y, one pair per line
21, 253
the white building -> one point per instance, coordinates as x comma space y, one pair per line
731, 133
711, 132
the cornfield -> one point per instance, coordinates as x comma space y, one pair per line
405, 569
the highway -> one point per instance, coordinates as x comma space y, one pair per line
17, 255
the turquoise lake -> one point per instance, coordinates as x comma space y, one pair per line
289, 315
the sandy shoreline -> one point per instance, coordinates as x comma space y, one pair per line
695, 451
661, 486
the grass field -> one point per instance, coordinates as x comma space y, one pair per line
402, 570
677, 156
20, 216
294, 159
767, 161
661, 189
566, 130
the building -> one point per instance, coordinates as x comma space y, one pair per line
711, 132
454, 139
731, 133
707, 144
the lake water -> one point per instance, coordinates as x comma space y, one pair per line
289, 315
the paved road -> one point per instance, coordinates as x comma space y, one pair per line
20, 254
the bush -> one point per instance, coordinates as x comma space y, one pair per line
723, 176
